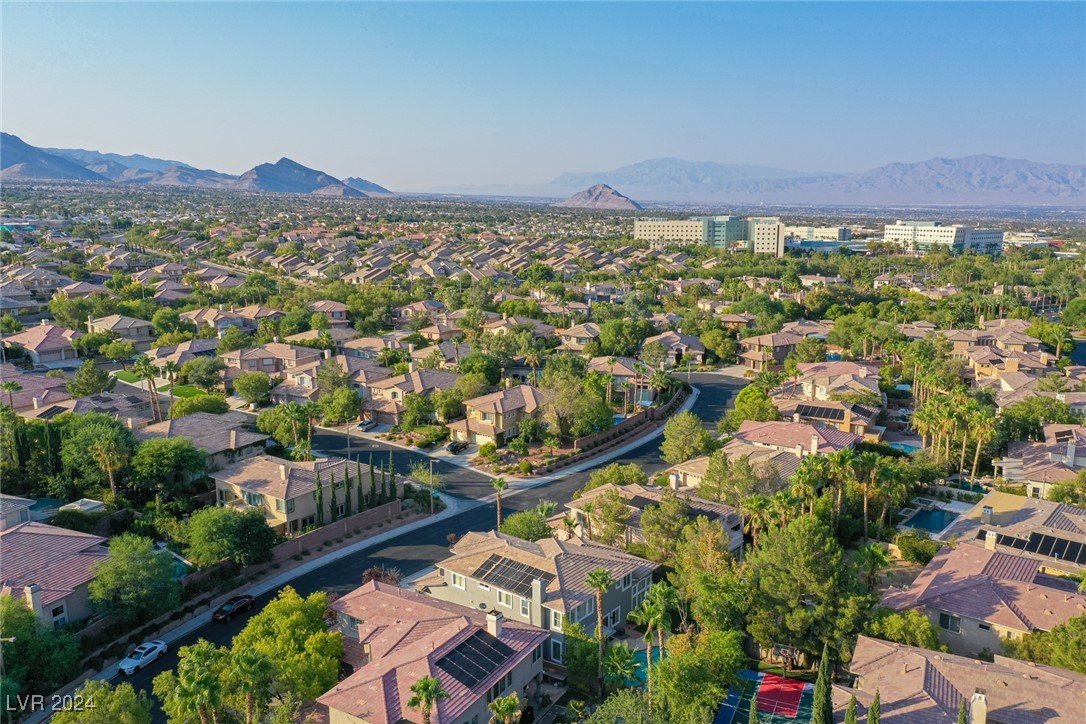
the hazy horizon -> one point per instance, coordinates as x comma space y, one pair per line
429, 96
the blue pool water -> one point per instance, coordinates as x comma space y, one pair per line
904, 447
47, 504
934, 520
641, 657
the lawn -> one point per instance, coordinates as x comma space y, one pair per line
182, 390
126, 376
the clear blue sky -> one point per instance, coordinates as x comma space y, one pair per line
429, 96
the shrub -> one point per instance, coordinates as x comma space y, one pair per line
917, 548
525, 467
489, 451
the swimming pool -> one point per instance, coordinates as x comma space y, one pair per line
46, 504
904, 447
934, 520
641, 657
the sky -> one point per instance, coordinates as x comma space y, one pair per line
425, 96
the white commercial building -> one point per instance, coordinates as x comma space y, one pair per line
759, 235
690, 231
925, 236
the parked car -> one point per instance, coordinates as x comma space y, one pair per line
456, 447
366, 425
236, 604
143, 654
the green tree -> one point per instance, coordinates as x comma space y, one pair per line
600, 581
136, 581
1062, 647
581, 656
810, 349
204, 372
426, 693
752, 403
707, 577
90, 380
250, 675
871, 560
331, 377
614, 474
37, 660
619, 665
221, 532
663, 524
529, 525
11, 387
107, 705
166, 466
610, 517
874, 712
505, 709
253, 387
823, 693
694, 678
213, 404
653, 354
911, 628
121, 351
627, 705
500, 486
195, 691
417, 410
291, 632
87, 440
685, 437
850, 712
342, 405
232, 340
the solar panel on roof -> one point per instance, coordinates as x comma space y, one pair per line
510, 575
474, 659
821, 413
1042, 544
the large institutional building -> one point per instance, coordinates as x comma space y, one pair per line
925, 236
760, 235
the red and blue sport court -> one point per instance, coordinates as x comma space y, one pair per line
780, 700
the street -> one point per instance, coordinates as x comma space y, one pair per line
411, 552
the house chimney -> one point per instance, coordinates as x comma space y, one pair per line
494, 623
1071, 452
37, 402
986, 515
233, 439
978, 707
814, 443
328, 354
990, 540
674, 480
276, 339
222, 307
32, 593
411, 365
282, 471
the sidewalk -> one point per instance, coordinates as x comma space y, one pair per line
453, 506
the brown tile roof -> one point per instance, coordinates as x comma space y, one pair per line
521, 397
285, 479
44, 338
793, 435
56, 559
211, 433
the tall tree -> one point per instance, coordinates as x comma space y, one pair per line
850, 712
874, 712
426, 693
135, 580
823, 694
320, 500
500, 486
599, 580
250, 673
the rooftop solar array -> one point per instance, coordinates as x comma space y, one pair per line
511, 576
475, 659
1043, 545
821, 413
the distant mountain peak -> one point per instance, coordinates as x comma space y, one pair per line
600, 196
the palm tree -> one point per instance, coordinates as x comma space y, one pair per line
546, 508
872, 559
619, 664
894, 488
252, 671
533, 359
199, 692
588, 508
11, 387
758, 514
500, 486
810, 475
843, 469
984, 429
610, 376
312, 411
427, 692
570, 524
111, 457
649, 615
665, 597
599, 580
147, 372
505, 709
873, 466
171, 370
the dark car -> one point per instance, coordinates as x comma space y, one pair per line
456, 447
227, 611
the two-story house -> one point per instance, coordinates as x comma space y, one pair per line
385, 405
679, 347
273, 358
393, 637
335, 312
767, 351
225, 439
575, 339
496, 417
139, 332
543, 584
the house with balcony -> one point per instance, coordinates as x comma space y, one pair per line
139, 332
286, 491
542, 584
497, 417
392, 637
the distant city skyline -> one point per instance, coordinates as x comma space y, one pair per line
429, 96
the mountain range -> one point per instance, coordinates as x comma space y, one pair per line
19, 161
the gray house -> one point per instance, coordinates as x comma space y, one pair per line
541, 583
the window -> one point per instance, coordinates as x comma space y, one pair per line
951, 623
557, 619
537, 653
558, 651
457, 580
484, 586
611, 619
254, 499
59, 617
505, 599
589, 609
502, 684
985, 626
525, 607
626, 581
341, 509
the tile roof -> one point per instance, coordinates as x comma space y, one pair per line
210, 433
792, 435
56, 559
285, 479
521, 397
44, 338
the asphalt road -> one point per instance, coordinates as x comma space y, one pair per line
412, 552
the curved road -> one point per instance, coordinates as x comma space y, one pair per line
411, 552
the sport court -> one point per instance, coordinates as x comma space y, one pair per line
780, 700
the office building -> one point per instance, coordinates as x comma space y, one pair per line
922, 237
690, 231
759, 235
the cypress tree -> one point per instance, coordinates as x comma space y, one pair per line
346, 492
963, 715
384, 487
753, 718
850, 712
391, 494
358, 483
373, 484
320, 500
874, 714
332, 499
823, 694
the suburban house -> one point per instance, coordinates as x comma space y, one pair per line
273, 358
225, 439
385, 405
834, 380
36, 389
218, 318
625, 376
139, 332
978, 596
426, 308
496, 417
1041, 465
50, 568
371, 347
844, 416
450, 352
300, 383
14, 510
767, 351
46, 344
132, 410
679, 347
640, 497
542, 583
917, 686
257, 313
392, 637
795, 437
576, 338
286, 490
335, 312
511, 322
183, 352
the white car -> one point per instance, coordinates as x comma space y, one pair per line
143, 654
